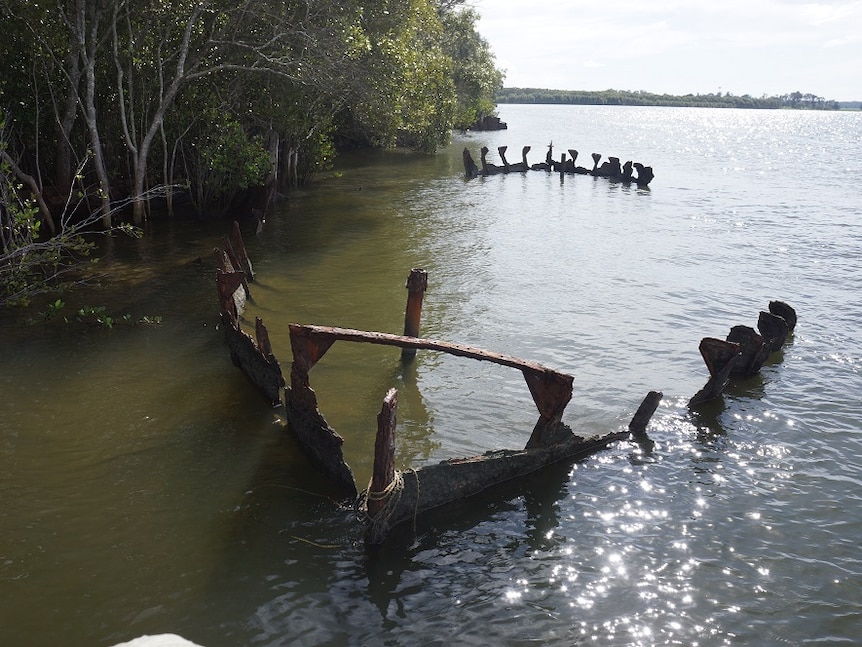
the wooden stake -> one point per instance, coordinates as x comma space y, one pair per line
384, 454
642, 416
417, 283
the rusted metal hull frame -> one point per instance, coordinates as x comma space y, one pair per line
744, 351
392, 497
318, 440
611, 169
255, 358
228, 283
550, 389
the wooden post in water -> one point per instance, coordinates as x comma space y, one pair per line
417, 283
234, 261
242, 254
562, 166
641, 419
642, 416
384, 467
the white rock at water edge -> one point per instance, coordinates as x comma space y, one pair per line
161, 640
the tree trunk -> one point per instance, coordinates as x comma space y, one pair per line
88, 44
181, 75
63, 172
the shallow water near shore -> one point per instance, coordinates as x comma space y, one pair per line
145, 487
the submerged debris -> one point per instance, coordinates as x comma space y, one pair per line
612, 169
744, 351
254, 358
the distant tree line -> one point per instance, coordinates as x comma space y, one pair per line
797, 100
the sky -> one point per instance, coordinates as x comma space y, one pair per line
755, 47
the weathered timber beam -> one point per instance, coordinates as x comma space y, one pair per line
551, 390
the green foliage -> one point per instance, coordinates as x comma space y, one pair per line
32, 264
222, 159
399, 89
53, 309
94, 316
29, 265
474, 74
212, 96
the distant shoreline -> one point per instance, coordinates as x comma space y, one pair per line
793, 100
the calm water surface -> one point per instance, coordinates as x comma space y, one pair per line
146, 488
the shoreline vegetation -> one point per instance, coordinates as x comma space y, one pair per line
113, 113
793, 100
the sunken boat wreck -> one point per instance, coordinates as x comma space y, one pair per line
394, 497
629, 172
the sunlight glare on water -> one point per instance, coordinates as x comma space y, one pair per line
145, 487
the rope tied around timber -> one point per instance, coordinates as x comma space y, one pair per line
378, 524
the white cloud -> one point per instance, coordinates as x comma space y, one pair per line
744, 46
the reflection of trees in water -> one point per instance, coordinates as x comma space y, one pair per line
414, 435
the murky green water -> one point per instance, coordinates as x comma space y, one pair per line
145, 487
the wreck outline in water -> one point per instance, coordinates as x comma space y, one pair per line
393, 497
612, 169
